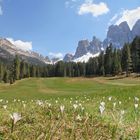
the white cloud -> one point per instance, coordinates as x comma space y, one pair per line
26, 46
71, 3
114, 18
1, 12
56, 55
91, 8
131, 16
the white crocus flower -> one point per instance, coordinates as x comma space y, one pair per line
1, 100
15, 117
102, 107
110, 98
75, 106
136, 106
79, 118
120, 102
49, 104
40, 103
5, 106
136, 99
102, 103
15, 100
62, 107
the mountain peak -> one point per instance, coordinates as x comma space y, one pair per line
136, 29
68, 57
124, 27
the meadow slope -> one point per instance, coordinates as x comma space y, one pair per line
70, 108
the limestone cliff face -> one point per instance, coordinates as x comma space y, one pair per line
118, 35
136, 29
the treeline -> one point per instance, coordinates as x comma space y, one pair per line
109, 63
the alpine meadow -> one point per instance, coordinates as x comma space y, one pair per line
52, 90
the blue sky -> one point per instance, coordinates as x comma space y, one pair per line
55, 26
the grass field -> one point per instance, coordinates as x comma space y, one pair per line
71, 108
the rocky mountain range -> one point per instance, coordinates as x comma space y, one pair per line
118, 35
8, 52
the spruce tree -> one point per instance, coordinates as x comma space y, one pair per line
135, 53
16, 68
6, 77
128, 60
116, 63
101, 64
22, 70
1, 71
108, 60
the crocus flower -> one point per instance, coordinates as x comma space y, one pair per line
136, 99
62, 107
102, 107
79, 118
75, 106
110, 98
15, 117
136, 106
4, 106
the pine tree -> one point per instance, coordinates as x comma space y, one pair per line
6, 77
101, 70
33, 71
27, 70
116, 63
1, 72
16, 68
128, 61
135, 53
11, 74
22, 70
108, 60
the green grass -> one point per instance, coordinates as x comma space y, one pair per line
48, 122
69, 87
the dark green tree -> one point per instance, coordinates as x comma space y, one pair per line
101, 70
16, 72
108, 60
6, 77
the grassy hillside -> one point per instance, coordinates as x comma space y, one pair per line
70, 108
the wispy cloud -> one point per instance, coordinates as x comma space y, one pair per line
88, 7
131, 16
26, 46
56, 55
1, 12
70, 3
